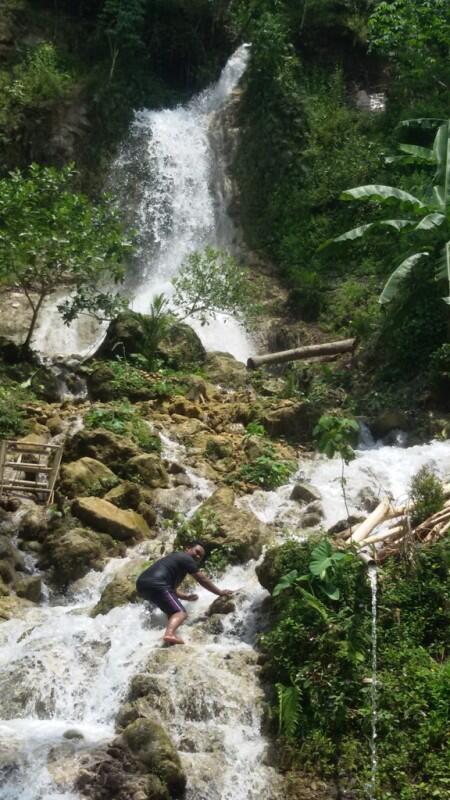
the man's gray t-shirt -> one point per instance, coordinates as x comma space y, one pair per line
167, 572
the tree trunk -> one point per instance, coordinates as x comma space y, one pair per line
36, 308
309, 351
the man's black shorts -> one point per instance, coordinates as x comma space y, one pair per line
165, 599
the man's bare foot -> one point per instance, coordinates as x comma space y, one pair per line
170, 639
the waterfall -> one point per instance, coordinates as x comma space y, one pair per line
372, 570
169, 182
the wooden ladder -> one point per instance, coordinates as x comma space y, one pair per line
29, 468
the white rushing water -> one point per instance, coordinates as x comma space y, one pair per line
169, 181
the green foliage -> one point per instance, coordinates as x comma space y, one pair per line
122, 22
12, 416
131, 380
124, 420
255, 428
212, 283
414, 34
267, 471
52, 237
426, 495
427, 220
155, 326
352, 309
326, 657
335, 436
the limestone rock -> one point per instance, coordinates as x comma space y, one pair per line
185, 408
234, 529
125, 495
7, 573
221, 605
71, 554
29, 587
366, 499
34, 524
224, 369
304, 493
102, 445
150, 468
388, 421
126, 526
152, 747
121, 589
181, 347
12, 607
11, 554
290, 419
85, 476
55, 425
310, 519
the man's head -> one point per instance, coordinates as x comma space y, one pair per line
196, 550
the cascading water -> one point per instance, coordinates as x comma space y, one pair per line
372, 570
168, 179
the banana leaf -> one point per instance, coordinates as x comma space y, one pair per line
421, 153
393, 284
441, 152
356, 233
430, 221
421, 122
380, 193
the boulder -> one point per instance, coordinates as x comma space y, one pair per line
291, 419
181, 347
126, 526
7, 573
152, 747
29, 587
388, 421
86, 476
150, 469
33, 525
303, 492
71, 554
225, 370
185, 408
366, 499
221, 605
310, 519
233, 529
101, 445
125, 495
121, 589
11, 554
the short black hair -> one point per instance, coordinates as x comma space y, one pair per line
194, 543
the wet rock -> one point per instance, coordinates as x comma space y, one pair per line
72, 733
181, 347
150, 469
55, 425
254, 447
125, 495
7, 573
152, 747
86, 476
221, 605
236, 530
290, 419
343, 524
103, 446
185, 408
305, 493
366, 499
218, 447
126, 526
10, 608
224, 369
11, 554
29, 587
71, 554
34, 524
388, 421
4, 589
121, 589
310, 520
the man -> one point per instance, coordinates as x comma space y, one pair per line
159, 583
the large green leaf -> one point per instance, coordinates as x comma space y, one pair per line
381, 193
356, 233
392, 286
430, 221
421, 122
441, 152
421, 153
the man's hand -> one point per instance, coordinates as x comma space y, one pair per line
192, 597
227, 592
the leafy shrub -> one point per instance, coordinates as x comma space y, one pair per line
352, 309
320, 664
255, 428
426, 495
266, 471
124, 420
12, 416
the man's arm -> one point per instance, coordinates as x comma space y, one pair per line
186, 595
203, 580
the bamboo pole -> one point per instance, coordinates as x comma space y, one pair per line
299, 353
375, 518
392, 533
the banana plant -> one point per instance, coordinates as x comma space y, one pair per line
421, 217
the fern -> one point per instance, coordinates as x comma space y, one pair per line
288, 709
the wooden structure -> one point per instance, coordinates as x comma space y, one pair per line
29, 468
300, 353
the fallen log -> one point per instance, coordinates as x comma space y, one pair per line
299, 353
392, 533
375, 518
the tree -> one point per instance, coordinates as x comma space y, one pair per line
52, 237
427, 223
121, 21
212, 283
416, 35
